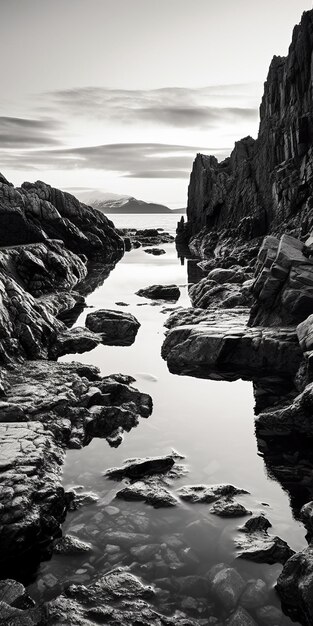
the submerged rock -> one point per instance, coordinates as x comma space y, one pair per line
117, 598
69, 545
160, 292
115, 327
226, 585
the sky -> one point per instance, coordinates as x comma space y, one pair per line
120, 95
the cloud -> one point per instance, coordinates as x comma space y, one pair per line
134, 160
18, 132
179, 107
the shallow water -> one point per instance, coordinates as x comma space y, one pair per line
211, 423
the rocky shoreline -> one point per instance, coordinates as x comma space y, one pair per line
253, 213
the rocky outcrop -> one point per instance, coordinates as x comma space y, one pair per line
220, 345
265, 186
283, 287
44, 410
35, 212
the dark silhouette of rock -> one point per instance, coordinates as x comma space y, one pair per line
37, 211
155, 251
265, 184
294, 586
139, 468
160, 292
116, 328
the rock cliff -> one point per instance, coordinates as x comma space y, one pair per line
266, 185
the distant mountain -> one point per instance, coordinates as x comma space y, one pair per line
115, 203
128, 205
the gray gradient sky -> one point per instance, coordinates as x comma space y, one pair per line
120, 94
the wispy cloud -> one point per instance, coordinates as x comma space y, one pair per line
178, 107
21, 132
135, 160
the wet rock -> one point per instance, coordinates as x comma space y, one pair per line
255, 524
152, 493
115, 327
69, 545
79, 500
145, 237
206, 344
227, 507
138, 468
155, 251
195, 585
117, 596
36, 212
295, 585
292, 419
208, 294
259, 546
144, 553
160, 292
241, 618
75, 340
208, 493
226, 585
16, 607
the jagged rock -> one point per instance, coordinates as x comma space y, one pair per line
73, 341
208, 493
305, 333
139, 468
145, 237
61, 405
16, 607
208, 294
116, 327
295, 418
155, 251
255, 524
227, 507
257, 545
283, 287
160, 292
36, 212
295, 585
152, 493
69, 545
265, 184
114, 598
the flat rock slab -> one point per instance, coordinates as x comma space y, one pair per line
160, 292
69, 545
211, 344
115, 327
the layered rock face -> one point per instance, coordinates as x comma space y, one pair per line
35, 212
265, 186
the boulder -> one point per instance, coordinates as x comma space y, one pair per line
115, 327
139, 468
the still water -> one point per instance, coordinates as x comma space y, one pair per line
211, 423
